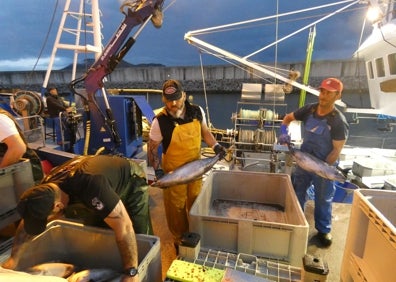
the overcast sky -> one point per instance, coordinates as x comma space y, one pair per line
27, 35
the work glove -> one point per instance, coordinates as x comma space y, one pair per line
220, 150
284, 137
159, 173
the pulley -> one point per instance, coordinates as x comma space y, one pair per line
28, 103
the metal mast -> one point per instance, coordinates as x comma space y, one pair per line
80, 22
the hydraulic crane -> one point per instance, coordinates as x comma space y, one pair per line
99, 118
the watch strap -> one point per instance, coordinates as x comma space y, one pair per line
132, 271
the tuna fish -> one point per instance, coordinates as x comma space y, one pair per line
312, 164
95, 275
52, 269
186, 173
19, 276
70, 272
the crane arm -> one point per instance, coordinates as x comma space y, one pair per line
137, 12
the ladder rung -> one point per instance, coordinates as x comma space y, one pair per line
80, 48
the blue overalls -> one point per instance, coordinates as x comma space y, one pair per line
318, 142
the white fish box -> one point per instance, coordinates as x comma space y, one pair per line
390, 154
252, 213
90, 247
354, 153
390, 183
373, 167
14, 180
370, 248
372, 182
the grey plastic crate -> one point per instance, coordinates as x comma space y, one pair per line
90, 247
275, 234
14, 180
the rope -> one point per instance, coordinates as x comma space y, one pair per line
46, 38
221, 27
205, 94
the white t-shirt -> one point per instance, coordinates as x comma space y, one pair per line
7, 127
155, 131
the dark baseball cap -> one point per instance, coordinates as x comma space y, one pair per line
34, 206
172, 90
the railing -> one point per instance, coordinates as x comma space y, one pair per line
33, 129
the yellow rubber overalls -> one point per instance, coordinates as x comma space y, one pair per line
185, 146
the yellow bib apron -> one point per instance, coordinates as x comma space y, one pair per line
185, 146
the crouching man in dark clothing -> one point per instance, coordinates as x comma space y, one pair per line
98, 190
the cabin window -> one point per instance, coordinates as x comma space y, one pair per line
370, 70
379, 64
392, 63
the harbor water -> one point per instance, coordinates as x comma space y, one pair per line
365, 130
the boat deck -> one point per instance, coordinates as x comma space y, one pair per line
332, 255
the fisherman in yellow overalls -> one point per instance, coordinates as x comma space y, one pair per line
179, 128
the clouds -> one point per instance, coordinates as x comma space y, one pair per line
27, 35
21, 64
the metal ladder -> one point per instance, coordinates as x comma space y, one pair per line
78, 17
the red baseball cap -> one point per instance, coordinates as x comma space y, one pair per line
332, 84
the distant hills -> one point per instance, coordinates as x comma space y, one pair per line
123, 64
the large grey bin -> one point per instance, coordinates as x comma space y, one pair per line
90, 247
14, 180
282, 236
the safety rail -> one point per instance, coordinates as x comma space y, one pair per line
33, 129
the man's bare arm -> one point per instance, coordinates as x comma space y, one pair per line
288, 118
21, 238
335, 153
15, 150
207, 136
122, 226
153, 157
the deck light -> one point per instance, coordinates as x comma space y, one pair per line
374, 14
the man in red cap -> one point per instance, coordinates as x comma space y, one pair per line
325, 131
180, 127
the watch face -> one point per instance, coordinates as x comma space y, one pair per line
132, 271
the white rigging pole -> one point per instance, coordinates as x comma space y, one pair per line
191, 38
82, 25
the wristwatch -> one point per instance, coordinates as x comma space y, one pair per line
131, 271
